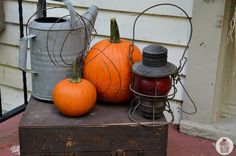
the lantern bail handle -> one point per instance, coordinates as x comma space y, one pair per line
183, 59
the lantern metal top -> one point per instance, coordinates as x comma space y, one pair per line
154, 63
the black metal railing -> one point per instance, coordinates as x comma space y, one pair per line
13, 112
4, 116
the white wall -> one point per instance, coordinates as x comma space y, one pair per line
164, 25
209, 72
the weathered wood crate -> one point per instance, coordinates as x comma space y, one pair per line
106, 131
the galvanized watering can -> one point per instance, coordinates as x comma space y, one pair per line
55, 43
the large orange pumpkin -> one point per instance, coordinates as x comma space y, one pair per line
75, 96
108, 67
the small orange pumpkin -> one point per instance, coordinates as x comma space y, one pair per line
108, 67
75, 96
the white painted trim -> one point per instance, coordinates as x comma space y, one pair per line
203, 59
220, 75
211, 131
207, 122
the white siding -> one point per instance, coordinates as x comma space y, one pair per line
168, 26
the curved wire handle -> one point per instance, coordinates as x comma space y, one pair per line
182, 61
190, 36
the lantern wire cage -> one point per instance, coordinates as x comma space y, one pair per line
136, 102
176, 78
87, 40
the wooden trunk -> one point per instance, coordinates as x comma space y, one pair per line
106, 131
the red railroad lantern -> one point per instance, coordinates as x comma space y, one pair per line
153, 77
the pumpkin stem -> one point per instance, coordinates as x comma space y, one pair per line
114, 30
75, 75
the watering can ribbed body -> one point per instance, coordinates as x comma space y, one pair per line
55, 43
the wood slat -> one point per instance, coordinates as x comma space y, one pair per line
174, 52
12, 77
9, 40
9, 56
12, 29
10, 35
11, 97
134, 6
161, 29
11, 59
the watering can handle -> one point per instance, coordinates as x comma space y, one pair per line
23, 43
72, 12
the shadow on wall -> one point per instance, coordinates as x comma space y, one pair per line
2, 16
